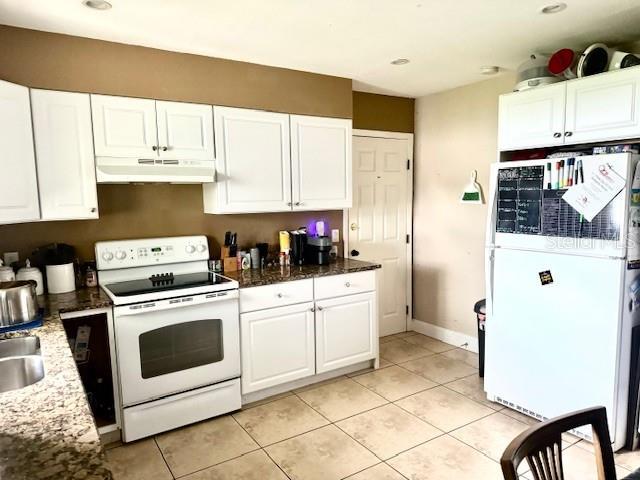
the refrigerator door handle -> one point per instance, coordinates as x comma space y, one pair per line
490, 267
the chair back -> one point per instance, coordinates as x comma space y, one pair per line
541, 446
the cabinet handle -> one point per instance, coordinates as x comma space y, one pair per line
298, 204
568, 134
319, 307
557, 135
347, 284
288, 204
279, 295
164, 149
93, 209
154, 148
312, 309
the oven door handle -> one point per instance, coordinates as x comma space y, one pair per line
173, 303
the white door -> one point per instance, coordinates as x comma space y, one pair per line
278, 346
345, 331
553, 332
124, 127
253, 162
604, 107
185, 131
532, 118
64, 153
378, 222
18, 184
320, 163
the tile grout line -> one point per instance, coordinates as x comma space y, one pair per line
155, 441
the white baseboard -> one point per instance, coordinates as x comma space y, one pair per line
445, 335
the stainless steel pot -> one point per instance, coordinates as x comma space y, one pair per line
18, 303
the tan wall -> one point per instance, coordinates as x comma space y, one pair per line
383, 112
63, 62
456, 132
45, 60
139, 211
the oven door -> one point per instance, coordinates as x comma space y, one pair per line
170, 346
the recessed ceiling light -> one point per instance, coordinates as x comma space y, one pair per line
553, 8
97, 4
489, 69
400, 61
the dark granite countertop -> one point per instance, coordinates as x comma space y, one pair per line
267, 276
47, 430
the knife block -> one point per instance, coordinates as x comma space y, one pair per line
229, 264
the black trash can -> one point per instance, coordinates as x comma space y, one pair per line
480, 309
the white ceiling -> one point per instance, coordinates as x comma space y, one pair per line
447, 41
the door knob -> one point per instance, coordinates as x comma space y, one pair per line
354, 226
355, 253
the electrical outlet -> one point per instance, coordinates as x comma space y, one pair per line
334, 251
10, 257
335, 235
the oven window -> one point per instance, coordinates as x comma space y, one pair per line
179, 347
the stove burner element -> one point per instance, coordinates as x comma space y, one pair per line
161, 279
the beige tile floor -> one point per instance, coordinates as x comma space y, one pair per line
422, 415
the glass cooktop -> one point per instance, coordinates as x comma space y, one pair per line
166, 282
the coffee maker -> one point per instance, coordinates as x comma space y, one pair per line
318, 250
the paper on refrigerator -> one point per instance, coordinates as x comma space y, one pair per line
595, 193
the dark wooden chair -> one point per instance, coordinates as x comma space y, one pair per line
541, 446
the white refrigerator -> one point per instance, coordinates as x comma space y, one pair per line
560, 294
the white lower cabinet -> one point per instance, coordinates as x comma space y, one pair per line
278, 346
346, 331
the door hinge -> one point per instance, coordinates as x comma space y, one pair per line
407, 238
408, 164
407, 309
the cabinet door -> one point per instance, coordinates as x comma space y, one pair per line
64, 153
253, 162
603, 107
320, 162
532, 118
346, 331
277, 346
185, 131
124, 127
18, 184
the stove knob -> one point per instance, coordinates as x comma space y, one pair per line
121, 255
107, 256
202, 247
190, 249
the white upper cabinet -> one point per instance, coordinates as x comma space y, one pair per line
532, 118
253, 163
18, 184
320, 163
124, 127
64, 154
185, 131
603, 107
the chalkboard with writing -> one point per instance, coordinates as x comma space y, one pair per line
525, 207
520, 199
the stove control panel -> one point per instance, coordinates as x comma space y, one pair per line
150, 251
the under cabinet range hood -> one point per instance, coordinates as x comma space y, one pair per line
149, 170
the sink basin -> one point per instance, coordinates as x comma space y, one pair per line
19, 372
19, 346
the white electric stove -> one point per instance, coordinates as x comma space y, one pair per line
176, 329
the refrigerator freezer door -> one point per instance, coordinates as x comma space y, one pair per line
559, 228
554, 332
